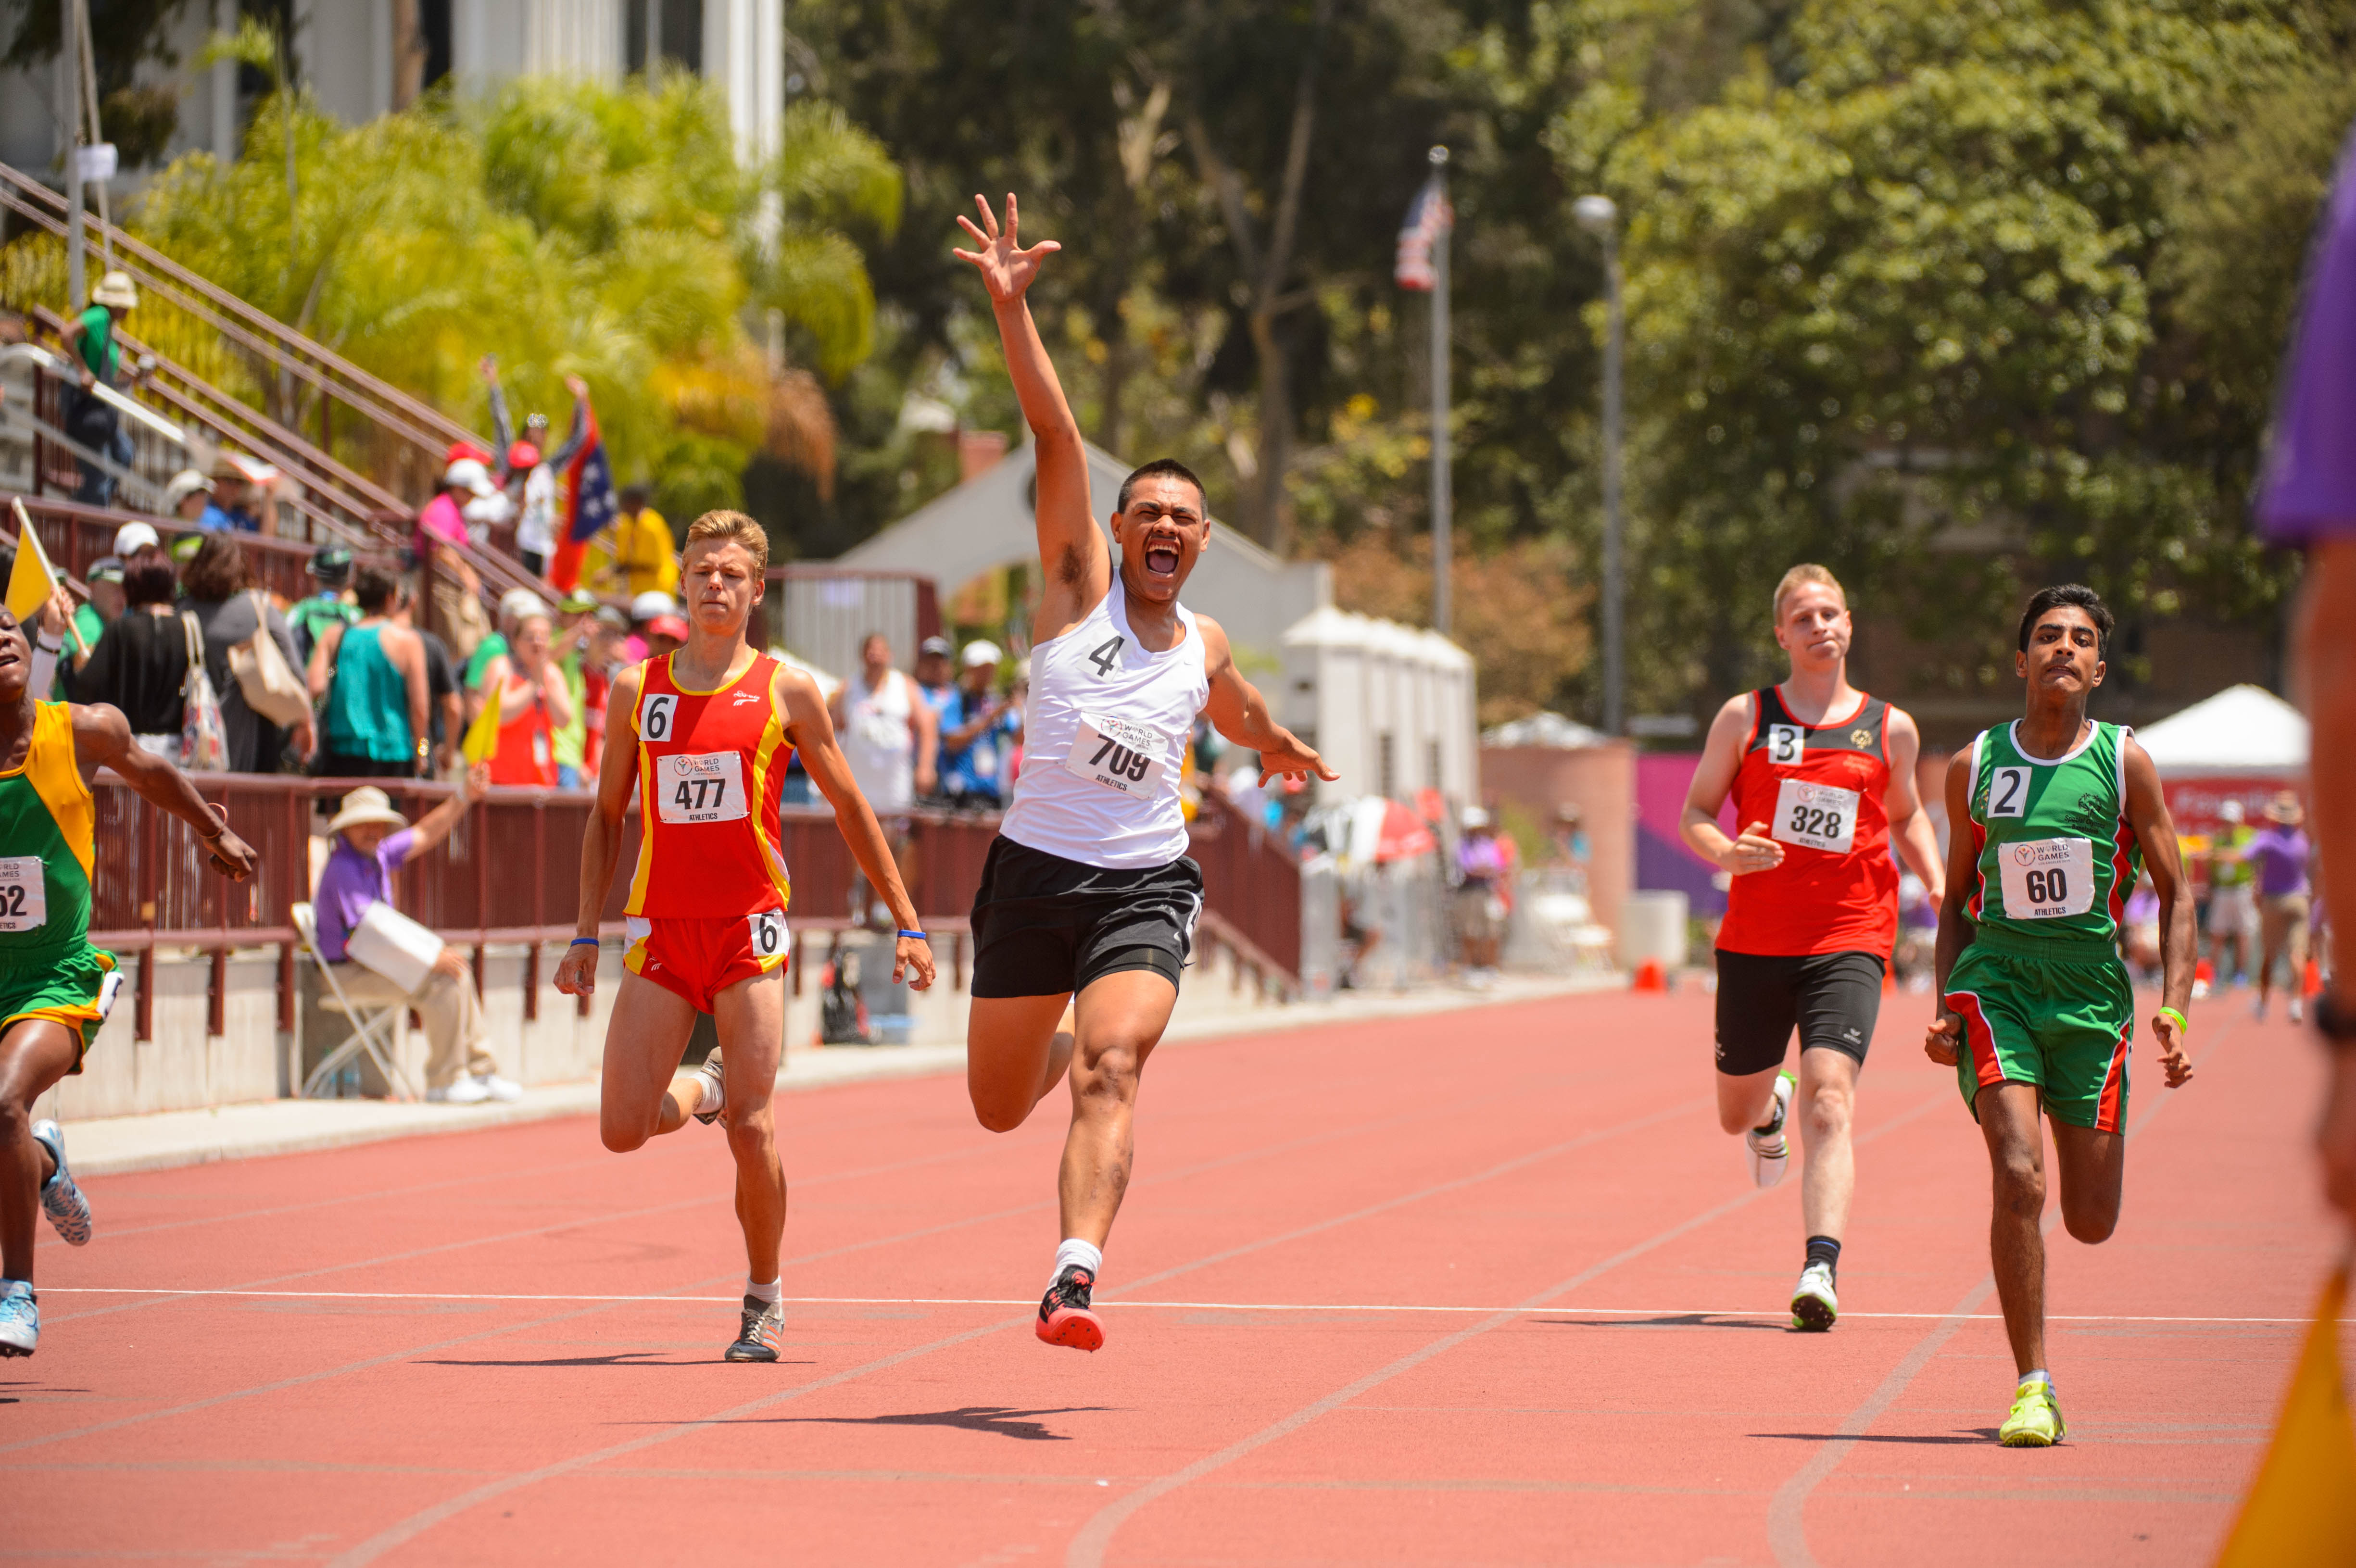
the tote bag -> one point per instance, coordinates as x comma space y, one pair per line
204, 743
271, 687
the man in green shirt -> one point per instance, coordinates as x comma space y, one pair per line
331, 569
2232, 897
90, 419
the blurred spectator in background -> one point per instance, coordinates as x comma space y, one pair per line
140, 664
133, 539
188, 495
514, 604
530, 459
90, 419
601, 663
893, 744
575, 651
371, 842
443, 519
372, 675
664, 634
533, 704
2278, 855
217, 587
1572, 848
445, 700
1911, 958
634, 554
1485, 870
238, 506
104, 580
458, 611
2232, 897
646, 609
978, 728
329, 605
2141, 921
937, 673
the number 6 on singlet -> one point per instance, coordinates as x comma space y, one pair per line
655, 715
768, 931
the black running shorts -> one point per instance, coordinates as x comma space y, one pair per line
1046, 927
1833, 997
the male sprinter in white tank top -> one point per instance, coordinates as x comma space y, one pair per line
1087, 909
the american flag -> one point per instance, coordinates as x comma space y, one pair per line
588, 507
1427, 220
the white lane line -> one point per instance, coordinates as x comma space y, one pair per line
1367, 1306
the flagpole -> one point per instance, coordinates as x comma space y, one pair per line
1443, 545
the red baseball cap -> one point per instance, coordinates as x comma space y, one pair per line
674, 626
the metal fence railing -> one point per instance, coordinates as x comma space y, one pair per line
73, 535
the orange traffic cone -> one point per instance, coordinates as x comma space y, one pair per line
1651, 976
2311, 983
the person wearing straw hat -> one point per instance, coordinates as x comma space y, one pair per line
55, 986
187, 496
2276, 856
90, 419
372, 842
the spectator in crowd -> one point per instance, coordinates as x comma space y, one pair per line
575, 650
140, 664
529, 461
459, 603
937, 673
329, 605
445, 700
133, 539
893, 744
2141, 920
665, 634
443, 519
514, 604
600, 664
188, 495
104, 580
238, 505
371, 842
2232, 896
635, 553
375, 718
977, 729
533, 704
90, 419
219, 589
1484, 868
646, 609
2278, 855
1573, 850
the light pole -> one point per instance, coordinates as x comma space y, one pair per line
1599, 217
1443, 544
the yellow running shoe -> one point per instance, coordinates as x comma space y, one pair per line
2036, 1419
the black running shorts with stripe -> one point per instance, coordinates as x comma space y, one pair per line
1045, 926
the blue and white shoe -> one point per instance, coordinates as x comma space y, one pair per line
21, 1318
716, 1090
62, 1200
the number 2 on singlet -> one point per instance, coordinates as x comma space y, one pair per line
24, 893
2047, 878
709, 787
1117, 754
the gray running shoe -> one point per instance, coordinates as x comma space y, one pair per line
763, 1331
716, 1090
62, 1200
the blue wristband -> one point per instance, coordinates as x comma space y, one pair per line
915, 935
587, 942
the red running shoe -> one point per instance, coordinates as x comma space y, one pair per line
1064, 1316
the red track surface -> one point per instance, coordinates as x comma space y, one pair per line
386, 1393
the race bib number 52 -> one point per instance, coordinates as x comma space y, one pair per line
1820, 816
24, 894
709, 787
2047, 878
1120, 755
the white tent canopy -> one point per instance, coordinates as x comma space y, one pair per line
2243, 731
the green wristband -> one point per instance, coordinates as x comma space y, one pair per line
2183, 1025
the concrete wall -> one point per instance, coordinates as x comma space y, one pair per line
1602, 781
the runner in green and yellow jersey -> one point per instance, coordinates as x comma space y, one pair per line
2051, 819
55, 988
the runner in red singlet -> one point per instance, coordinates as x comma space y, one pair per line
1823, 781
707, 731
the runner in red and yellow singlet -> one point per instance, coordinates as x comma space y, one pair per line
1822, 777
704, 734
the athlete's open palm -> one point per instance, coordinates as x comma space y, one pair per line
1006, 267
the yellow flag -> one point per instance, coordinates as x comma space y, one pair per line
2301, 1511
31, 580
482, 741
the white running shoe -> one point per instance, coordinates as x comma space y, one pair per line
2297, 1011
498, 1088
62, 1200
1814, 1304
1769, 1151
2258, 1009
21, 1318
714, 1098
465, 1092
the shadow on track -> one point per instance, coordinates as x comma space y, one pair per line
1679, 1320
991, 1418
618, 1358
1970, 1434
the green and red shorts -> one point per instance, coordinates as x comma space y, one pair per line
2064, 1020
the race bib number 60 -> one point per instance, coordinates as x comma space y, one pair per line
24, 894
709, 787
1117, 754
2047, 878
1818, 817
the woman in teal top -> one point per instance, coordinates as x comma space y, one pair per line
372, 676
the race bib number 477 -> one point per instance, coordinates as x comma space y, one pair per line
1117, 754
709, 787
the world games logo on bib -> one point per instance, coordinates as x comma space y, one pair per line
2048, 878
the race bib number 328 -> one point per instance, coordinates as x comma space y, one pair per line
24, 893
709, 787
1819, 817
1117, 754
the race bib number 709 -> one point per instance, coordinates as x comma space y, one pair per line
1117, 754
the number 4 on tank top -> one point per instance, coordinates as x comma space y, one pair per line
1107, 655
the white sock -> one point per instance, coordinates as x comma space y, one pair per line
2039, 1376
772, 1293
1075, 1252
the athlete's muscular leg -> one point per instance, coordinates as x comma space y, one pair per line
645, 1039
1744, 1099
1016, 1049
1825, 1106
2093, 1168
751, 1018
34, 1055
1121, 1019
2016, 1145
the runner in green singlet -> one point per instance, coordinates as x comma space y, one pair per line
2052, 819
55, 988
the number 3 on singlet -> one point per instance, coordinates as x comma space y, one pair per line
768, 929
